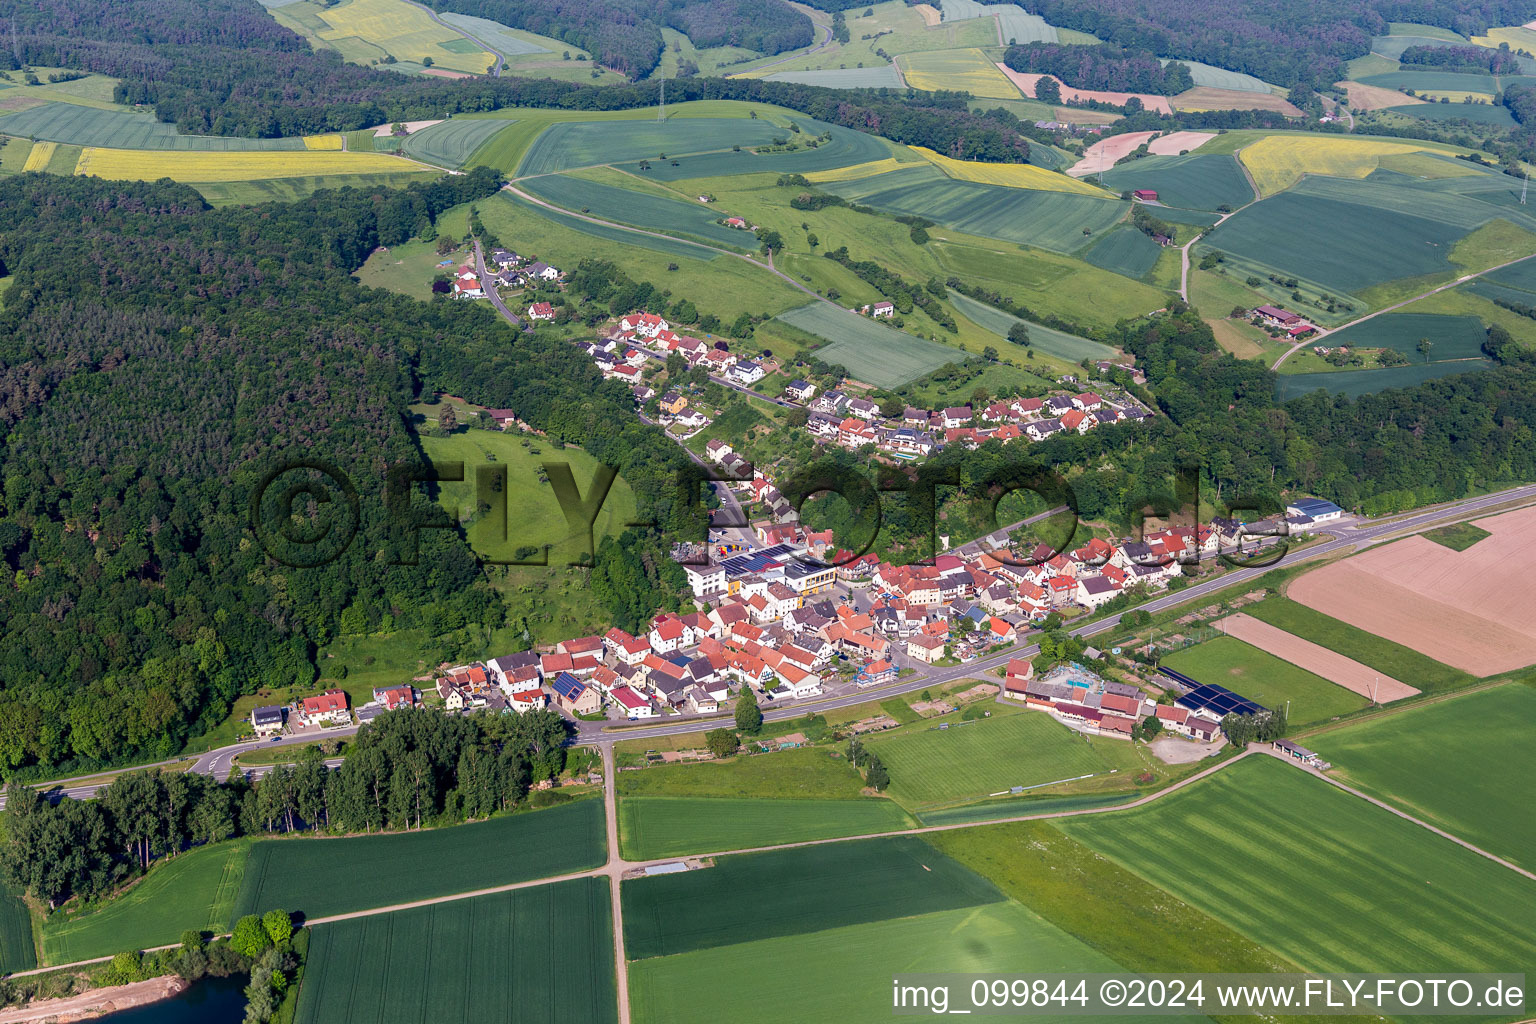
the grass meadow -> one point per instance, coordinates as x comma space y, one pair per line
1320, 877
794, 892
651, 827
969, 69
1455, 763
1262, 677
283, 190
970, 760
196, 889
1457, 536
533, 515
528, 956
872, 352
572, 144
1126, 251
626, 206
320, 877
1379, 653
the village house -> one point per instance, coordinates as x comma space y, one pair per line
799, 390
541, 311
927, 649
329, 708
468, 288
267, 720
575, 696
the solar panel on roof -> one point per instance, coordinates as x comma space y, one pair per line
1220, 700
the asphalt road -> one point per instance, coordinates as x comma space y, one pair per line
1361, 533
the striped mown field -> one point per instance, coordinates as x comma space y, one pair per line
1321, 877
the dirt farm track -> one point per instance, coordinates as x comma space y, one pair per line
1319, 660
1470, 609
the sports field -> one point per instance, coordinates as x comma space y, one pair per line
793, 892
320, 877
1196, 181
151, 165
451, 143
1322, 877
196, 889
1010, 175
844, 974
1454, 763
1058, 221
1244, 669
669, 826
367, 31
1433, 599
524, 957
970, 760
969, 70
1049, 340
16, 951
626, 206
1125, 250
872, 352
1354, 676
571, 144
1377, 652
123, 129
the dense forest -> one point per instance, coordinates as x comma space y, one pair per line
224, 67
1468, 59
405, 770
156, 359
626, 34
1109, 67
1280, 41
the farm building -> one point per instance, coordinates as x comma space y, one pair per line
1316, 509
1296, 752
1277, 316
1146, 195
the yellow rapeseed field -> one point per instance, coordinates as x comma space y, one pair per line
322, 142
150, 165
855, 171
401, 30
1277, 162
42, 152
1518, 37
1011, 175
967, 69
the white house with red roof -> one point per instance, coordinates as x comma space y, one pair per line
468, 288
670, 633
329, 708
530, 699
631, 703
393, 697
541, 311
646, 325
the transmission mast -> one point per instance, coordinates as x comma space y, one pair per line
661, 112
1525, 184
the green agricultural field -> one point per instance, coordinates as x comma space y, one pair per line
1058, 221
1321, 877
653, 213
583, 144
1437, 82
844, 974
320, 877
1047, 339
509, 42
122, 129
13, 156
846, 148
1091, 897
1126, 251
534, 518
1015, 23
16, 949
1264, 678
1453, 337
970, 760
892, 27
651, 827
64, 159
884, 77
194, 890
1197, 181
451, 143
529, 956
806, 773
1354, 383
1345, 246
1475, 113
1015, 807
794, 892
1453, 763
548, 239
1379, 653
871, 351
285, 190
1458, 536
1221, 78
